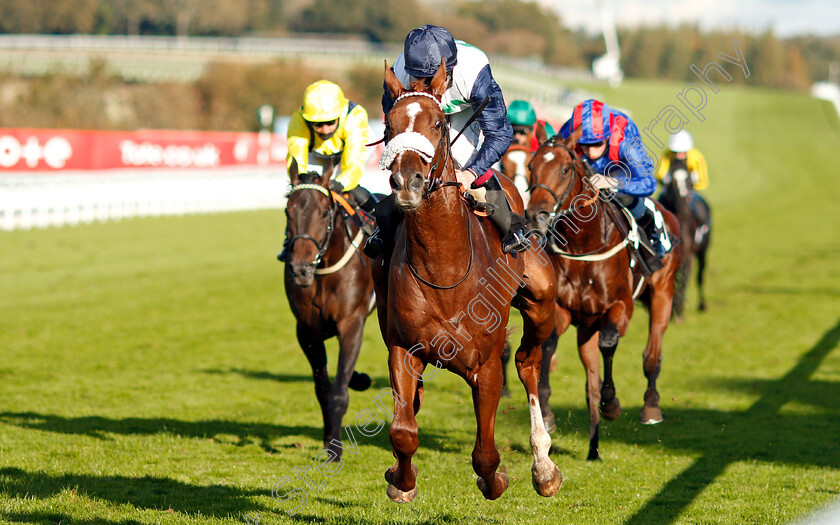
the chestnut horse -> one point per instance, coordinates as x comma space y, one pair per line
596, 283
444, 295
695, 218
330, 288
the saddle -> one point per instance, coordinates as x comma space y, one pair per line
642, 251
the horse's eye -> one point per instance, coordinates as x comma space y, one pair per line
325, 213
565, 170
438, 124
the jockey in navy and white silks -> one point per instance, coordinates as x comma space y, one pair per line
612, 145
489, 137
480, 146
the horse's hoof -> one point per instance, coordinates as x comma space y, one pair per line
611, 410
505, 393
550, 487
359, 382
398, 496
702, 307
502, 483
389, 474
593, 455
651, 416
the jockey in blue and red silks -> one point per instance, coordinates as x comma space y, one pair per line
481, 146
612, 145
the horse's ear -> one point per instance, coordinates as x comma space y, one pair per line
326, 175
392, 83
293, 171
540, 132
571, 142
438, 83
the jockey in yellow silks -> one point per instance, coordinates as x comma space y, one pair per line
327, 128
681, 145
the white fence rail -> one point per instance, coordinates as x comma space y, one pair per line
48, 200
28, 201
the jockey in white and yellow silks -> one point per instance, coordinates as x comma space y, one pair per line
681, 146
326, 125
328, 128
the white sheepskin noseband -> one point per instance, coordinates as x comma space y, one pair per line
407, 141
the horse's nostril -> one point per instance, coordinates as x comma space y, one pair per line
395, 185
417, 182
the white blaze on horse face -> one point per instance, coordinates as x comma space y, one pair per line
681, 176
548, 157
412, 110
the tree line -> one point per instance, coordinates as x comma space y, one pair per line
514, 27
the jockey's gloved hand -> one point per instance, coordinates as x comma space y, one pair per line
336, 186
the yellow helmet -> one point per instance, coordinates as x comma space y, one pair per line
323, 101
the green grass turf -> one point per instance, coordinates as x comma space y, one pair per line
149, 371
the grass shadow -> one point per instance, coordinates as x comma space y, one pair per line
376, 382
50, 518
763, 433
146, 492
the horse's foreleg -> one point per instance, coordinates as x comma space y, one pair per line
316, 354
660, 312
589, 356
614, 324
545, 475
486, 391
405, 371
349, 341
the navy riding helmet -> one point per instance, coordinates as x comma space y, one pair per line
424, 47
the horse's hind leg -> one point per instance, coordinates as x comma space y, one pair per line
549, 350
589, 356
349, 341
701, 266
660, 312
405, 370
486, 390
316, 354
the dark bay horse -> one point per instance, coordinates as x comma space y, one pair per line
329, 286
596, 285
695, 218
444, 295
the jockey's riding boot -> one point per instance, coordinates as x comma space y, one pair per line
284, 253
654, 226
511, 225
363, 198
387, 219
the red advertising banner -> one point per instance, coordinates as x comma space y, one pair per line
47, 150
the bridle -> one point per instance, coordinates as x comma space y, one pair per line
558, 212
322, 245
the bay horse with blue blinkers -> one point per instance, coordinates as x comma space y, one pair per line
329, 286
590, 241
444, 295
